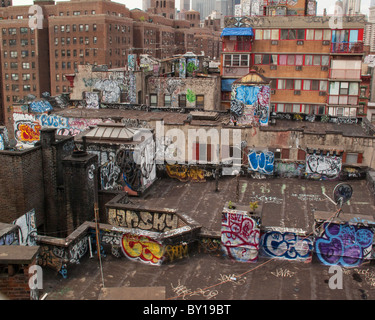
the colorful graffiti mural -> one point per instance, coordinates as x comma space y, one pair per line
27, 126
286, 245
240, 236
142, 248
40, 106
261, 161
329, 166
250, 105
343, 244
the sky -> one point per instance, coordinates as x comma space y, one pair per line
132, 4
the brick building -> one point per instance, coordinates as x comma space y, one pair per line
315, 70
98, 32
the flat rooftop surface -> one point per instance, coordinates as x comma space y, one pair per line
288, 203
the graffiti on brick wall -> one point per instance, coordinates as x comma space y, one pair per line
261, 161
192, 64
27, 228
289, 169
343, 244
240, 235
186, 173
92, 100
250, 105
142, 248
286, 245
151, 221
329, 166
27, 126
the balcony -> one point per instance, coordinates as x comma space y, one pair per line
346, 47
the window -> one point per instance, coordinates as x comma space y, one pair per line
167, 100
306, 84
26, 87
153, 100
26, 76
200, 100
182, 100
353, 158
25, 65
13, 54
14, 76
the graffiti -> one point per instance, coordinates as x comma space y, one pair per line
190, 96
135, 176
286, 245
27, 229
27, 132
329, 166
40, 106
131, 61
232, 278
174, 252
182, 68
78, 250
261, 161
343, 244
240, 236
252, 107
142, 248
52, 258
186, 173
307, 197
184, 292
9, 239
92, 100
209, 245
151, 221
289, 169
266, 199
237, 107
283, 273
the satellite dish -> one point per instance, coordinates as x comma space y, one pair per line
342, 193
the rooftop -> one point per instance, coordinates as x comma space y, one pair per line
287, 203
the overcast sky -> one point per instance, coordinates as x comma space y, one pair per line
131, 4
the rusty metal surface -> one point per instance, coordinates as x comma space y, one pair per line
287, 203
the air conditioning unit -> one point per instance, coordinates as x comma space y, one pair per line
322, 93
325, 42
298, 68
274, 42
273, 91
324, 68
273, 67
300, 43
297, 92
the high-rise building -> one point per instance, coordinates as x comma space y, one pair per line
315, 70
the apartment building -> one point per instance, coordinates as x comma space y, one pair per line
315, 70
73, 33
